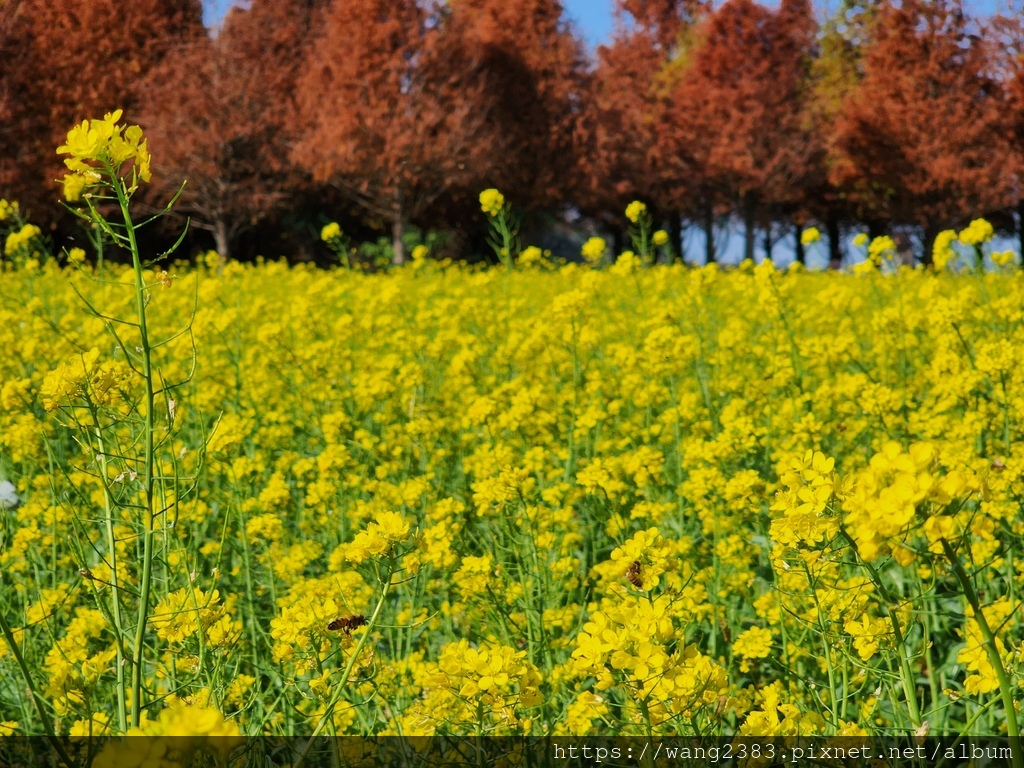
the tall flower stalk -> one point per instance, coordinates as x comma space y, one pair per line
106, 163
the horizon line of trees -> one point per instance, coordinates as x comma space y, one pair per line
389, 115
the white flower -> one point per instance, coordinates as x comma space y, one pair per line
8, 495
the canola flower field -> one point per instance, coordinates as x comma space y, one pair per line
547, 501
543, 499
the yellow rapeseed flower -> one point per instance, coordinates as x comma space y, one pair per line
882, 248
594, 249
96, 147
330, 232
635, 210
492, 202
978, 232
810, 236
19, 243
942, 252
8, 210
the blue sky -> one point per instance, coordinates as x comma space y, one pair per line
594, 17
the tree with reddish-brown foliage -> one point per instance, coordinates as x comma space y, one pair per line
921, 139
665, 20
616, 132
80, 59
391, 110
1007, 32
13, 136
835, 72
533, 69
217, 116
736, 117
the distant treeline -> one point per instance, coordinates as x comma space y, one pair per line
389, 116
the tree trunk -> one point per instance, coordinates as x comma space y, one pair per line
801, 252
397, 240
928, 243
1020, 226
835, 247
675, 226
397, 229
221, 241
749, 211
768, 244
617, 241
709, 234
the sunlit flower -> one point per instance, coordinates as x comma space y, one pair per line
594, 249
942, 252
8, 210
882, 248
978, 232
810, 236
492, 202
98, 147
330, 232
635, 210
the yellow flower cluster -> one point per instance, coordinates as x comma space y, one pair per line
19, 243
942, 252
978, 232
83, 377
881, 249
181, 615
454, 500
179, 732
96, 149
8, 210
492, 202
330, 232
810, 236
380, 536
975, 235
635, 210
594, 249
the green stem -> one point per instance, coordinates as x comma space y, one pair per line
906, 673
966, 729
328, 714
108, 509
506, 238
148, 535
51, 735
1005, 689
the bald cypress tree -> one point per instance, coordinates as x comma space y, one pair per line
78, 60
921, 139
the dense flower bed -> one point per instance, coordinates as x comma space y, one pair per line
549, 500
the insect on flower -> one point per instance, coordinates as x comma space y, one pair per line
633, 575
347, 623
